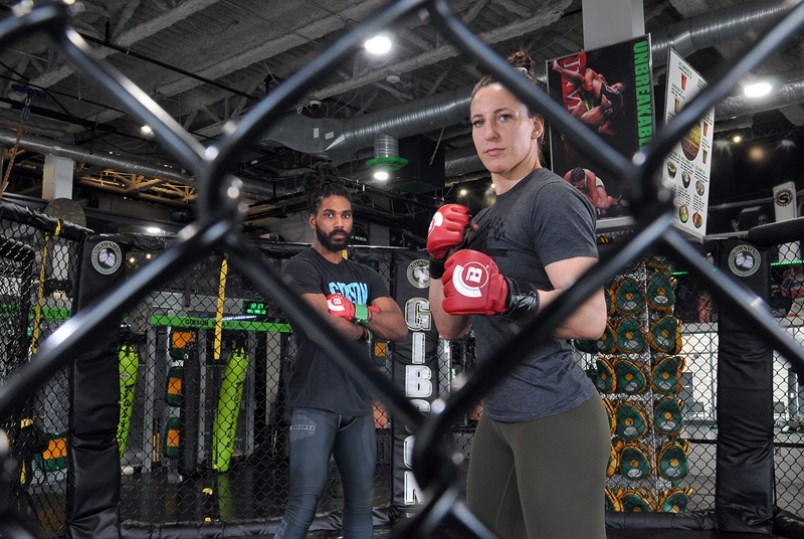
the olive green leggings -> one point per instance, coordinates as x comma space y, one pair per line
542, 479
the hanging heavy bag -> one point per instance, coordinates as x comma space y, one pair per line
629, 298
630, 339
666, 375
667, 417
128, 364
224, 426
174, 386
630, 377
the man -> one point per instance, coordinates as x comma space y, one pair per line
331, 412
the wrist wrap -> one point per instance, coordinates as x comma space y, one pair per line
436, 268
522, 303
362, 314
368, 335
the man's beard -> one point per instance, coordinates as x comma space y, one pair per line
331, 244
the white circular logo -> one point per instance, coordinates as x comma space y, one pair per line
106, 257
470, 279
744, 260
419, 273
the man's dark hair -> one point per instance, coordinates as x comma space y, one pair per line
577, 174
322, 182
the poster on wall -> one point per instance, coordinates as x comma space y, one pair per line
688, 165
609, 89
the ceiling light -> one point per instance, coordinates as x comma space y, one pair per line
146, 130
737, 139
379, 44
154, 230
386, 157
757, 89
757, 153
463, 192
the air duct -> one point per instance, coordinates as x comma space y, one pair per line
451, 108
747, 20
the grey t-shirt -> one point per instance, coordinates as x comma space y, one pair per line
542, 219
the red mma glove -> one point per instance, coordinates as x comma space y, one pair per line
446, 229
473, 284
338, 305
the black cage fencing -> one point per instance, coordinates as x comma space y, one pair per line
197, 398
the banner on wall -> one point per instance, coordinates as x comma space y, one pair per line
415, 366
609, 89
688, 165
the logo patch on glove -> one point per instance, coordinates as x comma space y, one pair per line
335, 304
470, 278
437, 220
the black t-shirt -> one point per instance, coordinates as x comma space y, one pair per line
317, 380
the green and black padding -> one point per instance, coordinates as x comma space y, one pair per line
675, 500
635, 462
672, 460
661, 292
665, 335
613, 503
630, 377
629, 298
614, 456
637, 501
632, 421
587, 346
606, 382
666, 375
611, 412
667, 416
610, 292
659, 263
607, 344
174, 383
224, 426
128, 364
630, 339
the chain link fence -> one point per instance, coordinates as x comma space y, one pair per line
204, 367
204, 362
203, 357
38, 268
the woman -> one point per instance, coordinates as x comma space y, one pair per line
539, 454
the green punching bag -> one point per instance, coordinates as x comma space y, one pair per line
129, 363
225, 424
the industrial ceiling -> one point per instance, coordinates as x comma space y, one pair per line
207, 62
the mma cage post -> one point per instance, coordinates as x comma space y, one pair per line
73, 346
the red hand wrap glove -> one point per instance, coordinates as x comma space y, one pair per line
446, 229
338, 305
473, 285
